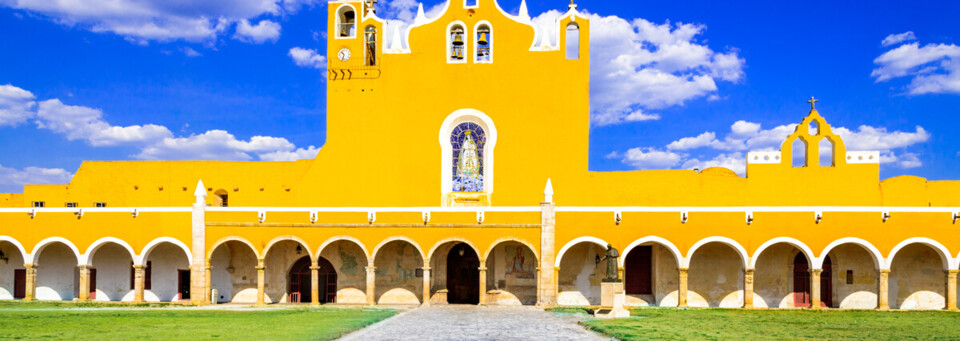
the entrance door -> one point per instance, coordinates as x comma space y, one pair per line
463, 275
826, 284
183, 284
327, 280
299, 281
93, 284
638, 270
19, 283
801, 281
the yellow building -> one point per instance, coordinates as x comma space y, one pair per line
456, 171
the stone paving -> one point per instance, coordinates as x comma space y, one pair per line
467, 322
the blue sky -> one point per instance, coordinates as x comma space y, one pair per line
674, 84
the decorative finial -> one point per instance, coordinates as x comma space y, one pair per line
813, 103
572, 5
548, 192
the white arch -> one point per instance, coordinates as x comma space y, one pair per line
942, 250
717, 239
356, 22
576, 241
23, 252
346, 238
142, 258
476, 43
446, 154
798, 244
454, 239
466, 42
513, 239
373, 257
224, 240
88, 256
878, 260
35, 255
276, 240
653, 239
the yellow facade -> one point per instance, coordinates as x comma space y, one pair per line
384, 176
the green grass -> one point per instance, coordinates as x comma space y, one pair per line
48, 320
727, 324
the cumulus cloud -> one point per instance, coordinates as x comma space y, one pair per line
12, 179
213, 145
142, 21
894, 39
300, 153
83, 123
16, 105
931, 68
265, 30
308, 58
651, 158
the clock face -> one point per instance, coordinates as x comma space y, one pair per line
344, 54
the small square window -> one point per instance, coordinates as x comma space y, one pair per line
71, 204
849, 276
101, 204
418, 273
39, 204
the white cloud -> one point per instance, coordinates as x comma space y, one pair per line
12, 179
300, 153
702, 140
639, 115
213, 145
932, 69
731, 161
16, 105
265, 30
83, 123
651, 158
894, 39
878, 138
190, 52
308, 58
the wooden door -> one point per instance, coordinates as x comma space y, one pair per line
93, 284
826, 284
801, 281
638, 271
19, 283
463, 275
327, 281
183, 284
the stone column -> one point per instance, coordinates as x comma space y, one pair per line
621, 272
951, 289
538, 285
30, 290
371, 284
748, 288
261, 282
315, 285
547, 296
426, 283
84, 289
139, 282
483, 282
682, 290
815, 288
556, 284
207, 292
198, 273
882, 290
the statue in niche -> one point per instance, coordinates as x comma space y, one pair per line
611, 257
468, 140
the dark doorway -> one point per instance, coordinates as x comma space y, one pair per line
463, 275
93, 284
183, 284
299, 285
19, 283
638, 271
327, 280
801, 281
826, 284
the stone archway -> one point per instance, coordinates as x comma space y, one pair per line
463, 275
511, 274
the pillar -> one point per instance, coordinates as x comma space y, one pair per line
621, 272
315, 284
261, 270
483, 282
548, 277
30, 292
426, 283
539, 298
815, 288
139, 279
84, 289
882, 291
556, 284
198, 271
371, 284
207, 292
748, 288
951, 289
682, 290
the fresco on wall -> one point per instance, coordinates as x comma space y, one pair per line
404, 267
348, 262
520, 262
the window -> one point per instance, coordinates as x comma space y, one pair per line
346, 22
370, 35
71, 204
849, 276
573, 41
100, 204
484, 44
468, 140
220, 197
456, 39
39, 204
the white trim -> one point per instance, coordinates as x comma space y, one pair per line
796, 243
298, 240
942, 250
512, 239
335, 239
465, 6
356, 22
466, 43
225, 240
183, 209
878, 260
718, 239
446, 159
145, 254
377, 46
455, 239
373, 257
23, 252
88, 256
576, 241
755, 209
476, 47
35, 254
653, 239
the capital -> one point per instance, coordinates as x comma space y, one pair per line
314, 268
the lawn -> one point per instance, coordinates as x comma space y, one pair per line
726, 324
93, 321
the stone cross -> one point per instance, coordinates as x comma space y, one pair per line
813, 102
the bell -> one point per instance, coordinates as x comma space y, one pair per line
483, 38
343, 31
453, 54
459, 54
457, 39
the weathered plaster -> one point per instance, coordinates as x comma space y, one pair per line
715, 277
580, 276
862, 294
917, 279
773, 282
349, 261
14, 261
234, 273
396, 280
165, 260
511, 275
57, 273
113, 264
280, 258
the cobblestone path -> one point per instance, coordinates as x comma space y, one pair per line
463, 322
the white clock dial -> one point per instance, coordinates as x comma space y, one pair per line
344, 54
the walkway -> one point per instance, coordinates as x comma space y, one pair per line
464, 322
